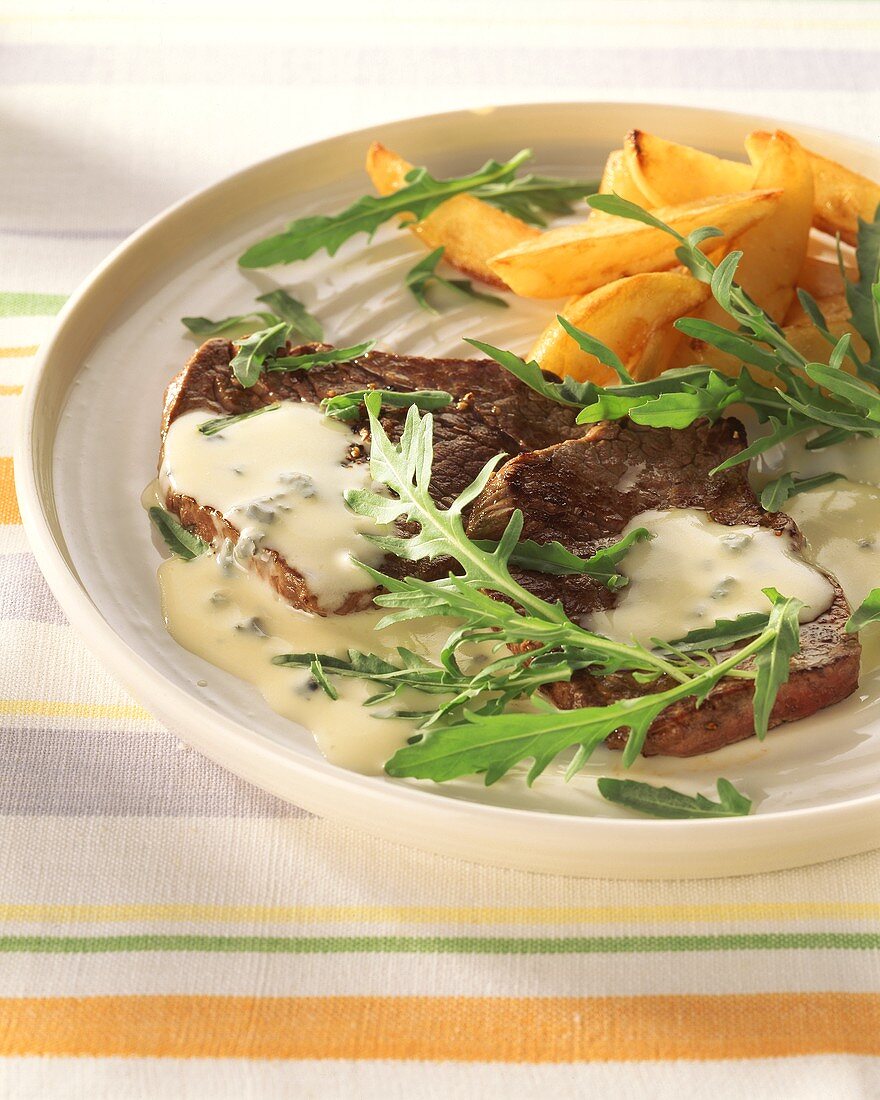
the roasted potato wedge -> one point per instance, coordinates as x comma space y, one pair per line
774, 253
808, 340
577, 259
802, 334
821, 276
470, 230
616, 178
841, 195
669, 173
632, 316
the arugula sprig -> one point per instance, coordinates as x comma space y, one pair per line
801, 395
421, 194
181, 542
217, 424
666, 802
493, 743
347, 406
553, 557
259, 352
424, 273
284, 308
777, 493
486, 739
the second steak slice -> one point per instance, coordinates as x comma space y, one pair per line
583, 493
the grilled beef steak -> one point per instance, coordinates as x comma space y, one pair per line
584, 491
491, 412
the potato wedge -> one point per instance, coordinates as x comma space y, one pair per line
616, 178
669, 173
841, 195
802, 334
774, 252
470, 230
633, 316
821, 276
576, 259
809, 342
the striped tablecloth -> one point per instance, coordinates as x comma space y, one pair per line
169, 931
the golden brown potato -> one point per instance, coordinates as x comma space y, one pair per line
809, 342
632, 316
576, 259
470, 230
841, 195
669, 173
821, 276
616, 178
774, 251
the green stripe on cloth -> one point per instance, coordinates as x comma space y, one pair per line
444, 945
19, 303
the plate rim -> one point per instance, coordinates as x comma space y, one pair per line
148, 685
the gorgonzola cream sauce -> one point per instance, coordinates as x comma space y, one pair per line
694, 571
279, 478
229, 617
840, 520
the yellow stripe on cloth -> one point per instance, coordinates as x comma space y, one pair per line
441, 915
486, 1029
19, 353
59, 709
9, 512
10, 391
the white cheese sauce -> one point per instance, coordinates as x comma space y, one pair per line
279, 478
230, 618
840, 520
694, 571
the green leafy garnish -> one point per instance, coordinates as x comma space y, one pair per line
254, 350
530, 197
773, 661
665, 802
722, 634
867, 612
422, 193
776, 493
801, 395
284, 308
244, 322
566, 392
347, 406
424, 273
287, 308
486, 739
592, 346
553, 557
184, 544
212, 427
320, 358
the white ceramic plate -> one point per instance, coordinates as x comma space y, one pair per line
89, 445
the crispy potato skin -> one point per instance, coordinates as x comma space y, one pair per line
580, 258
633, 316
668, 173
469, 230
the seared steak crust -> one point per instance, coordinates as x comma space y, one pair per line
583, 492
491, 413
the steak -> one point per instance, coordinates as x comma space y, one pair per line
583, 492
491, 413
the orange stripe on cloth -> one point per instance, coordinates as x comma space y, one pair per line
9, 512
460, 1029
